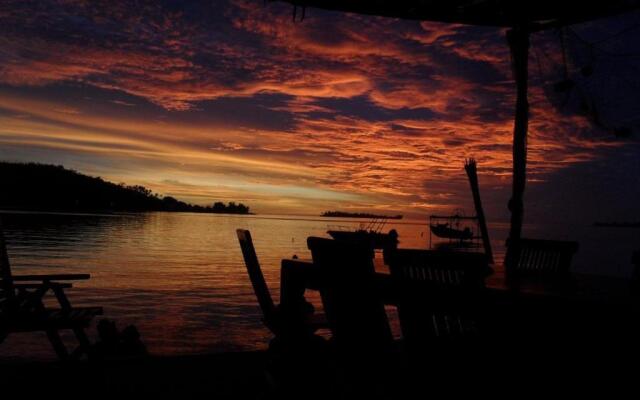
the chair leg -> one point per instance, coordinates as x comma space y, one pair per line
58, 345
84, 343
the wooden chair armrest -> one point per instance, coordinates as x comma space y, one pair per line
52, 277
39, 285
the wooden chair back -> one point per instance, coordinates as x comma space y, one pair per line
351, 300
544, 258
438, 293
257, 278
445, 268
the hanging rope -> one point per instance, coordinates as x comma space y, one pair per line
593, 79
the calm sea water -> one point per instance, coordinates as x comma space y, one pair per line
180, 277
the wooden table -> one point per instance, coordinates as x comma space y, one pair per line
300, 274
583, 302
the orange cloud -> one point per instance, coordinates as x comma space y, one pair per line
340, 109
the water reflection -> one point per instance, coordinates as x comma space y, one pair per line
180, 277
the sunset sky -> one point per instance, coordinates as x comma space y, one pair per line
231, 100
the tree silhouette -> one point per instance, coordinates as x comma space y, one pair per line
32, 186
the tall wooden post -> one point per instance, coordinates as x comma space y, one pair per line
472, 172
518, 39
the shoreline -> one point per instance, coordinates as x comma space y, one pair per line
280, 217
106, 212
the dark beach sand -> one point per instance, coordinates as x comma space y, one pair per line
244, 375
220, 376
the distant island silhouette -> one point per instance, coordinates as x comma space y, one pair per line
615, 224
344, 214
43, 187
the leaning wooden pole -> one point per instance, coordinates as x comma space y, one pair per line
470, 166
518, 39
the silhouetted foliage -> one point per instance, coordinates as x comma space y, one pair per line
234, 208
219, 206
40, 187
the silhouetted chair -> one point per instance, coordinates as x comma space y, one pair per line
284, 325
438, 295
548, 259
297, 355
22, 307
352, 303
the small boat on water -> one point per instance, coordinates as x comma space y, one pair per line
458, 228
447, 232
371, 234
617, 224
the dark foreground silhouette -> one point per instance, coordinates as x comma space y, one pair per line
533, 344
458, 335
24, 307
40, 187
